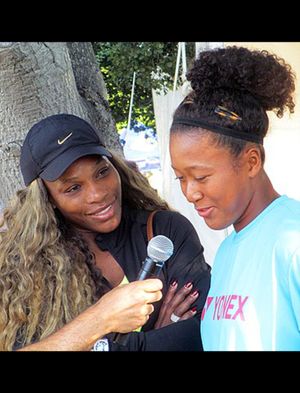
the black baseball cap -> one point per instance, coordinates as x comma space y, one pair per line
54, 143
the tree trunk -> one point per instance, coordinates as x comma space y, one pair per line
38, 79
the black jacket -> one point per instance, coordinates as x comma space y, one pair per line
128, 245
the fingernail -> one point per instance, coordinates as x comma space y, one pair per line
194, 309
188, 285
195, 293
174, 283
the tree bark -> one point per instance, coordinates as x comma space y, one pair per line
38, 79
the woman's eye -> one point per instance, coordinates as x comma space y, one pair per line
103, 171
73, 188
180, 178
201, 178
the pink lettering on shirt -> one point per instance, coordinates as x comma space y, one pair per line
209, 299
226, 307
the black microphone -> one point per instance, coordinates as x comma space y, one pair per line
160, 248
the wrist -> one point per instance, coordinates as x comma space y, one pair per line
101, 320
101, 345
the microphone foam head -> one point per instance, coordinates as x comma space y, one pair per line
160, 248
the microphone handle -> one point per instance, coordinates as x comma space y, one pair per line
146, 269
121, 339
149, 269
158, 266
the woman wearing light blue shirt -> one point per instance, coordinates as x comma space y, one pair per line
217, 153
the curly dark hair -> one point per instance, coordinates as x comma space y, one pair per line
246, 82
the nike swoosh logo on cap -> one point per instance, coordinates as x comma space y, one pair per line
61, 141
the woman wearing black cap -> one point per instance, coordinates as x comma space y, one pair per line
78, 230
217, 153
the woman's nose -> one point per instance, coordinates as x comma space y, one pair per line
192, 192
95, 193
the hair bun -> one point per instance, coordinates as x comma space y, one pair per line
266, 77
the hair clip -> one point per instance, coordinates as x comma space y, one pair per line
222, 111
188, 100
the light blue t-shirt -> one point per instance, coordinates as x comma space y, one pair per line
254, 299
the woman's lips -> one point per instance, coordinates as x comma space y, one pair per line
205, 211
103, 214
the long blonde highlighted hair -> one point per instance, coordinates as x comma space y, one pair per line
47, 276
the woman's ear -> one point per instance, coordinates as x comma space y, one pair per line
254, 161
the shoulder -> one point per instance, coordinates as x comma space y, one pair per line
285, 208
173, 217
173, 224
161, 217
169, 223
287, 228
286, 221
293, 207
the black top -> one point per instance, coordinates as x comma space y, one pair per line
128, 245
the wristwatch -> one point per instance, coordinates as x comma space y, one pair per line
101, 345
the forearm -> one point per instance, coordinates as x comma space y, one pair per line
180, 336
123, 309
77, 335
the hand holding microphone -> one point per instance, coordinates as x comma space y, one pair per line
160, 248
